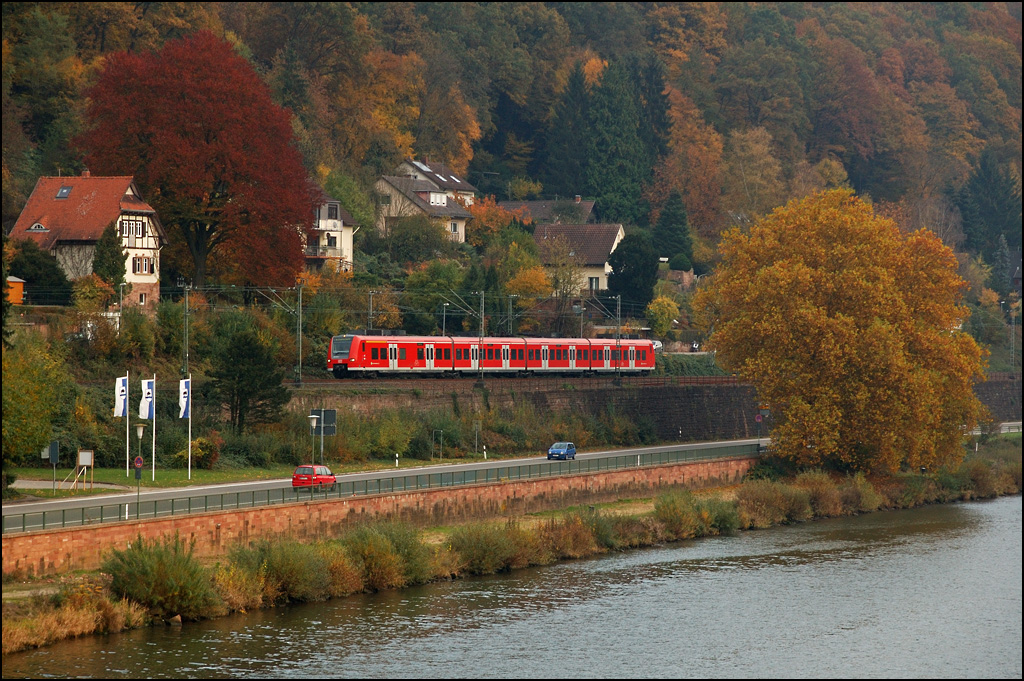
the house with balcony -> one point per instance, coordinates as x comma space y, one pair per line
66, 217
330, 245
590, 245
425, 188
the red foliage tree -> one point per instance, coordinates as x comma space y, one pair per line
211, 152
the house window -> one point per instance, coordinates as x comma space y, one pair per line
63, 192
438, 199
332, 211
332, 241
455, 228
142, 299
595, 283
384, 199
142, 265
37, 228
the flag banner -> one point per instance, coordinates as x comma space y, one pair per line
146, 403
121, 396
185, 398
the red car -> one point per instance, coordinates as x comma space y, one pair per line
315, 477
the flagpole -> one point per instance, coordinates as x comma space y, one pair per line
127, 422
190, 426
152, 411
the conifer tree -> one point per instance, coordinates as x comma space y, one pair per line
109, 261
566, 157
672, 231
617, 160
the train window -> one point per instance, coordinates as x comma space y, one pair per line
401, 353
606, 355
585, 353
374, 354
447, 353
419, 353
474, 353
520, 353
545, 351
458, 353
529, 354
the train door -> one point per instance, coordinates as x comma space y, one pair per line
544, 357
392, 356
430, 358
632, 358
504, 357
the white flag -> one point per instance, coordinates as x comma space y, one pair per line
121, 396
185, 398
146, 403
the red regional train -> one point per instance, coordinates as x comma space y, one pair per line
353, 355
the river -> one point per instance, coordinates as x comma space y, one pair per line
933, 592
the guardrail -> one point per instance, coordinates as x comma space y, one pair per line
386, 484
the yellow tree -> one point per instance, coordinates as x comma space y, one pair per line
850, 331
661, 313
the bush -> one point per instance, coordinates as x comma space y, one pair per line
415, 557
761, 503
379, 563
569, 537
484, 548
722, 517
293, 571
678, 513
239, 588
342, 573
164, 577
823, 492
858, 495
680, 263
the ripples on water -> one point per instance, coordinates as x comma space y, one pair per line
925, 593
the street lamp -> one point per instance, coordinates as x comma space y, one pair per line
139, 428
312, 424
444, 320
120, 306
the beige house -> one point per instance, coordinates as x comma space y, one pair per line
66, 216
331, 244
589, 244
425, 188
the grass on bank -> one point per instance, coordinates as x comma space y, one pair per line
154, 581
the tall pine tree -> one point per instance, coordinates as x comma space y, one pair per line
617, 158
672, 231
109, 261
566, 154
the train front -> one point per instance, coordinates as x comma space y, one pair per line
337, 355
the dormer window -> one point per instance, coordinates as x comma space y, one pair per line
332, 211
64, 192
38, 227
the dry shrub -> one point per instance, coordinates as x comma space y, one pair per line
761, 504
531, 547
982, 479
798, 503
342, 573
823, 491
445, 563
46, 627
484, 548
380, 564
570, 537
241, 589
633, 532
680, 516
858, 495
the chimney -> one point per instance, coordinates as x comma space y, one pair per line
85, 173
578, 198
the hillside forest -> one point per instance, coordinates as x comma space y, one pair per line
681, 121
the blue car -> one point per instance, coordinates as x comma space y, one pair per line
562, 450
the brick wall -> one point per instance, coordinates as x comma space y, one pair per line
83, 548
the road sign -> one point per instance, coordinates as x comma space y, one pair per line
138, 462
326, 422
757, 418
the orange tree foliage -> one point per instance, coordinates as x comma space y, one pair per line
489, 219
850, 331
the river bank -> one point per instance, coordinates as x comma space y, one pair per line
389, 556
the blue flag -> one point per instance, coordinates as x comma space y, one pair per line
146, 403
185, 398
121, 396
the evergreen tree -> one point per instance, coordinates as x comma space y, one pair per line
649, 76
617, 159
566, 154
990, 204
109, 260
672, 231
634, 271
245, 375
45, 282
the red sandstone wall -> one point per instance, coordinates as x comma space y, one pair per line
83, 548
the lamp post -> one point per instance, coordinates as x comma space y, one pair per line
120, 305
312, 424
510, 313
140, 428
444, 320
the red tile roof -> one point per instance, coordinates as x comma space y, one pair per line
87, 205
